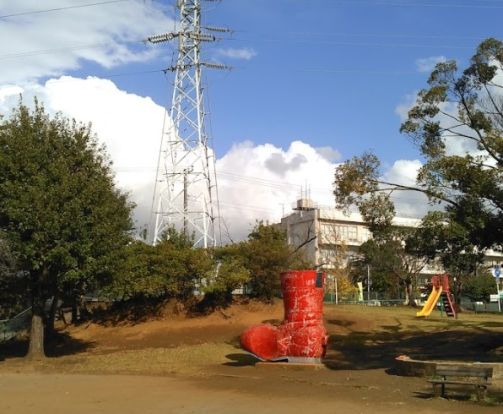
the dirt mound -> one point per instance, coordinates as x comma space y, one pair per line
172, 330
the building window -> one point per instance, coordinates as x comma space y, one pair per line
345, 232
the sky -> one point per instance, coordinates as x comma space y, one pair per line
312, 84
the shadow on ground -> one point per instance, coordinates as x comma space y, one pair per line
371, 350
56, 345
493, 398
240, 360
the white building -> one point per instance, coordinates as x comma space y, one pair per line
322, 230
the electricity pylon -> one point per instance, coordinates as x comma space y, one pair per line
185, 193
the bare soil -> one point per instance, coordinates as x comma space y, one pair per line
194, 365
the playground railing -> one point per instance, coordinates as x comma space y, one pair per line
372, 302
9, 328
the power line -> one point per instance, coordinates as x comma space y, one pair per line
61, 50
266, 182
248, 179
397, 3
385, 35
335, 43
56, 9
355, 44
65, 49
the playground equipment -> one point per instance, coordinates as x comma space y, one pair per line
10, 328
440, 292
301, 337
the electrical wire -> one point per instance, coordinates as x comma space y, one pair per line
62, 49
353, 44
385, 35
56, 9
397, 3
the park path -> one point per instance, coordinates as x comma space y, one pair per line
119, 394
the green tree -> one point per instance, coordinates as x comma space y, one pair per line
480, 287
266, 254
457, 110
392, 253
59, 208
141, 275
168, 270
229, 274
442, 239
12, 282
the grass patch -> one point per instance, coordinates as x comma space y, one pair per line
188, 360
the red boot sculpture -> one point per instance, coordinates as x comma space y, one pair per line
301, 337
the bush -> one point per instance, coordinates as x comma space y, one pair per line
171, 269
478, 288
229, 274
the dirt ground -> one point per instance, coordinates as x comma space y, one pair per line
194, 365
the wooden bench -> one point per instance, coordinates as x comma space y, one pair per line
451, 374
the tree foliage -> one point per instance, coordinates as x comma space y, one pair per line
393, 253
230, 274
170, 269
266, 254
443, 240
480, 287
173, 269
457, 124
12, 282
59, 208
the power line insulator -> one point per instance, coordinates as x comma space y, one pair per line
218, 29
164, 37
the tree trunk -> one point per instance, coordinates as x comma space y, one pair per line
76, 308
409, 295
36, 349
52, 313
458, 288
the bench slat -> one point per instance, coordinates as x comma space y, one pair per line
453, 374
474, 383
463, 371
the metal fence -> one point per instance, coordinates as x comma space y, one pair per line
10, 328
330, 299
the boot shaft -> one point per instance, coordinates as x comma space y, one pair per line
303, 296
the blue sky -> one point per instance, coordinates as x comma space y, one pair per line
327, 72
332, 74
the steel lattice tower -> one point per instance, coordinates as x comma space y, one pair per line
185, 193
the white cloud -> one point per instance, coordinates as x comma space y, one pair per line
407, 203
329, 153
251, 190
48, 44
245, 53
402, 109
129, 125
403, 172
429, 63
256, 182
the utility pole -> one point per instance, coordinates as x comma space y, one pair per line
185, 191
368, 284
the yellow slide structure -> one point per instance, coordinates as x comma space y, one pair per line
431, 302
